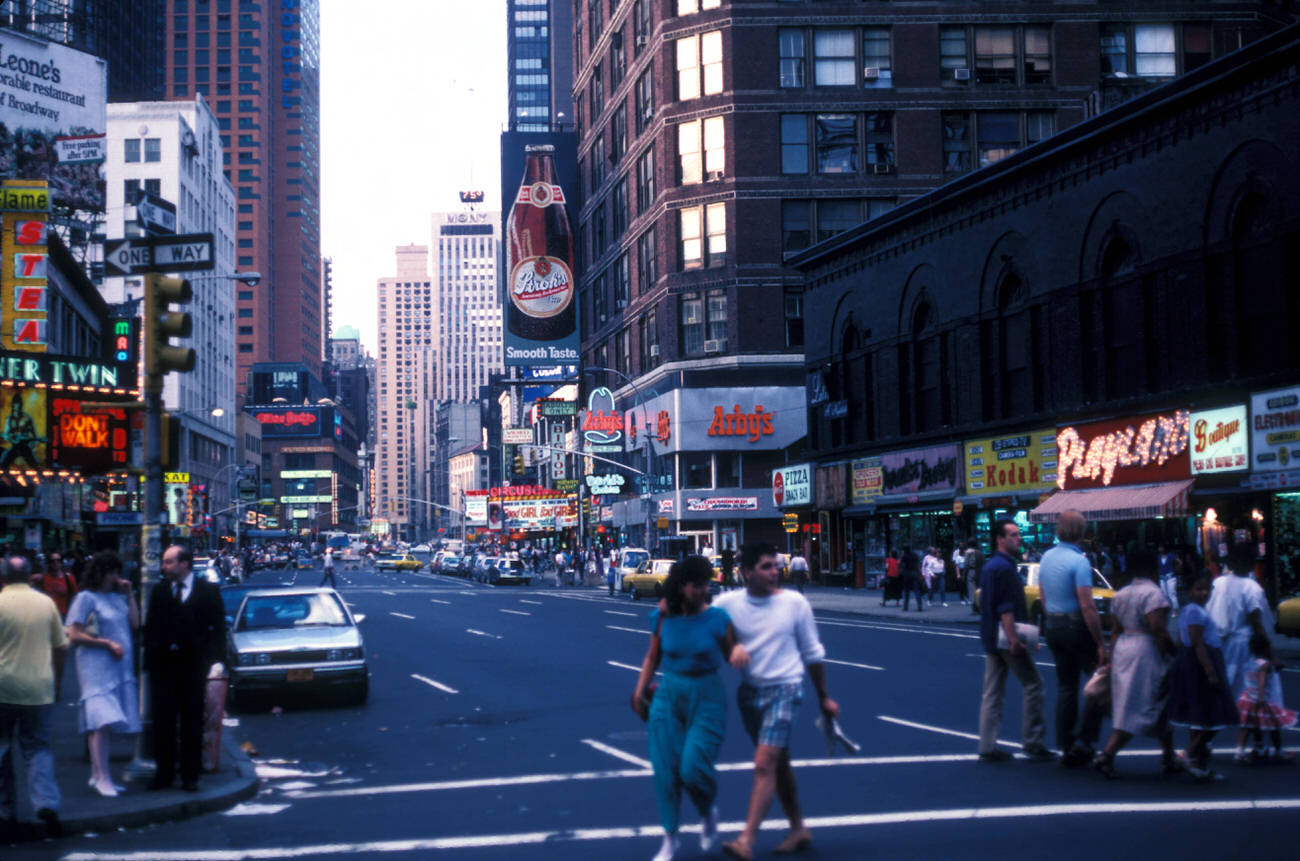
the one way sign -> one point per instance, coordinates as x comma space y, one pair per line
187, 252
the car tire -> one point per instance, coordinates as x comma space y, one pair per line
636, 594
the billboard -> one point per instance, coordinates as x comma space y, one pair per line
1275, 430
792, 485
1220, 440
24, 441
53, 119
539, 297
754, 418
920, 470
868, 480
298, 421
24, 258
1137, 450
1013, 463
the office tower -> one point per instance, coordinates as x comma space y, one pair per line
128, 35
257, 64
466, 308
172, 149
715, 138
406, 385
539, 49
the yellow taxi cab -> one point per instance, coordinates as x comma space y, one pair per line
648, 579
1102, 593
400, 562
1288, 617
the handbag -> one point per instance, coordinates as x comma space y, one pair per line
1098, 687
1027, 633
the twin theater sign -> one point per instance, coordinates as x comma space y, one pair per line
36, 369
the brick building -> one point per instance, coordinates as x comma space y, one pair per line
717, 138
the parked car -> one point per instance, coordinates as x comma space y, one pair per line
648, 579
399, 562
511, 571
629, 558
293, 639
484, 567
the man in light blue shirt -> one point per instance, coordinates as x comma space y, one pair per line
1074, 636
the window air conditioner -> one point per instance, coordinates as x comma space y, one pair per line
871, 73
715, 175
654, 351
882, 168
961, 74
716, 345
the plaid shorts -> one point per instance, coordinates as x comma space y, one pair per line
768, 712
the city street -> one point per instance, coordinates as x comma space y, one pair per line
498, 727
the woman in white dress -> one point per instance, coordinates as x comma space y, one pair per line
1140, 657
101, 624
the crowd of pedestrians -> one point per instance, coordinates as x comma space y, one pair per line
57, 601
1207, 668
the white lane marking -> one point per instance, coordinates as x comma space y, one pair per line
437, 601
276, 769
479, 633
251, 809
851, 664
431, 683
400, 615
526, 601
619, 613
386, 592
899, 628
515, 612
616, 753
941, 730
533, 838
629, 630
628, 667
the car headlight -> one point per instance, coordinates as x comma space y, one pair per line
334, 655
262, 658
244, 658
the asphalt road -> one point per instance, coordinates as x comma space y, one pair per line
498, 727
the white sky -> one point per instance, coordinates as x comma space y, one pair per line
413, 98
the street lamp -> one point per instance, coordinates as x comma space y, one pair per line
649, 459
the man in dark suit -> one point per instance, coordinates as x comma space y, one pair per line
184, 642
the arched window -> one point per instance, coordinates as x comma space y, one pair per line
928, 381
1266, 315
1124, 317
1017, 387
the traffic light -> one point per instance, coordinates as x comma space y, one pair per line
519, 464
161, 323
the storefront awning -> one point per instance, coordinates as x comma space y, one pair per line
1134, 502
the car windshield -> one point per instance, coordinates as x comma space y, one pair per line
633, 558
291, 611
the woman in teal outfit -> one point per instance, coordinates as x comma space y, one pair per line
688, 714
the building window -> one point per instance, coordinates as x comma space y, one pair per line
645, 101
956, 142
796, 225
692, 240
837, 216
153, 149
690, 7
598, 234
1150, 50
793, 318
1036, 49
697, 470
995, 55
715, 225
794, 143
132, 151
699, 65
954, 65
645, 181
877, 58
618, 133
1154, 55
880, 138
648, 329
600, 299
793, 54
153, 186
641, 24
692, 324
622, 282
646, 261
837, 143
717, 311
598, 162
708, 135
997, 134
1004, 56
597, 92
833, 58
619, 205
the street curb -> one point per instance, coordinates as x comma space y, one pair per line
227, 794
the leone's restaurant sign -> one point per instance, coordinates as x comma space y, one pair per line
1136, 450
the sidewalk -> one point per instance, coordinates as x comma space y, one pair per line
84, 810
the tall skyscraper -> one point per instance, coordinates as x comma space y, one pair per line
129, 35
258, 66
539, 48
466, 308
405, 401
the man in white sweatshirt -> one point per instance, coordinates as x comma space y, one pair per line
776, 629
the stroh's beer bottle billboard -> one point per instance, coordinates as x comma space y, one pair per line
539, 245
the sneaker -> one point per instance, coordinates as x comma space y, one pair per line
668, 849
1038, 753
995, 755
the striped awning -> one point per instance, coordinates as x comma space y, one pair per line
1133, 502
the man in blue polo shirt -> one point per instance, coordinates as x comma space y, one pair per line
1002, 604
1074, 636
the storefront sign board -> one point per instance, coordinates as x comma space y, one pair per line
1014, 463
1275, 429
1220, 440
1135, 450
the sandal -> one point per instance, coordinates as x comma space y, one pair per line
1105, 766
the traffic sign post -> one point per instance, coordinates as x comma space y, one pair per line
155, 215
185, 252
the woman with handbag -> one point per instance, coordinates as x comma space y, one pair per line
1199, 698
688, 711
101, 622
1141, 649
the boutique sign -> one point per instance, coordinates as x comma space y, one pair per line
1135, 450
1220, 440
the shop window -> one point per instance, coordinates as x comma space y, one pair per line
696, 470
727, 469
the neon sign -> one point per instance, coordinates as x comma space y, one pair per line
1127, 451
